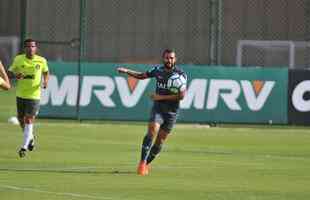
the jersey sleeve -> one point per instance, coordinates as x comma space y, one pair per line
152, 72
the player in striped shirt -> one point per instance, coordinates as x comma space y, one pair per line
170, 90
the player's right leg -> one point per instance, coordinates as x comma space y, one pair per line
146, 146
20, 105
20, 112
30, 110
153, 126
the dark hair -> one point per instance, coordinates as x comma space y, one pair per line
29, 40
168, 51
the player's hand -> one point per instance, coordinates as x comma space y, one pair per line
155, 97
122, 70
19, 76
44, 85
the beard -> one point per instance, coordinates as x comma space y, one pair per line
169, 66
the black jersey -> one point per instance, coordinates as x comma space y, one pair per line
168, 83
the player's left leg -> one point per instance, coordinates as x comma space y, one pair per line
28, 143
156, 148
34, 108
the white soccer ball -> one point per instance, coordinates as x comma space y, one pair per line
176, 83
13, 120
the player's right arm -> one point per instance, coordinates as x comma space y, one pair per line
13, 70
4, 79
135, 74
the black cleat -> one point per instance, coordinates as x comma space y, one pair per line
22, 152
31, 145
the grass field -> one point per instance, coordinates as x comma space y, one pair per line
98, 161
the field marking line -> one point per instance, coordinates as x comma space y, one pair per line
55, 193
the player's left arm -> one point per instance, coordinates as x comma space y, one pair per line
45, 79
45, 74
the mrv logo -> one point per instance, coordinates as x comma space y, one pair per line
130, 92
300, 96
201, 93
229, 91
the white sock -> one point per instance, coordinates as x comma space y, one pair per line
28, 135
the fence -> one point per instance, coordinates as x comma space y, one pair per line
201, 31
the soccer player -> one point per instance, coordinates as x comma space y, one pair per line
165, 107
28, 69
4, 79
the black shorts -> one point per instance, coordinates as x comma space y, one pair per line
166, 119
27, 107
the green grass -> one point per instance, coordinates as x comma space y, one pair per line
98, 161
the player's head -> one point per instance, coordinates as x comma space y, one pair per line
169, 58
30, 47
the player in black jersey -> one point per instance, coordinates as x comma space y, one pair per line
170, 90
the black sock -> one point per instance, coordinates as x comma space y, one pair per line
153, 153
146, 145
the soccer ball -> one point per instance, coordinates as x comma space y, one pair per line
13, 120
176, 82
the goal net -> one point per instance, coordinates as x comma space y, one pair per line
273, 53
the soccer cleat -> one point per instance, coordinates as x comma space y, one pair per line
31, 145
142, 168
22, 152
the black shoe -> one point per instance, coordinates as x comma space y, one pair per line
31, 145
22, 152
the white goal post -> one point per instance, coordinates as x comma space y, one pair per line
290, 46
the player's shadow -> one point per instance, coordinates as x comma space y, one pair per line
68, 171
